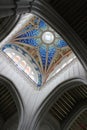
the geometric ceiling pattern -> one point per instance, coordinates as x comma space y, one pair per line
46, 47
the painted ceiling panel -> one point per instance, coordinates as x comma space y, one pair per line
34, 71
46, 47
37, 34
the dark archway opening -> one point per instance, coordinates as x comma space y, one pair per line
64, 107
7, 24
9, 107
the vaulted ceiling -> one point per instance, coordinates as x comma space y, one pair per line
46, 47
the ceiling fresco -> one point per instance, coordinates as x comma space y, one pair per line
45, 45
